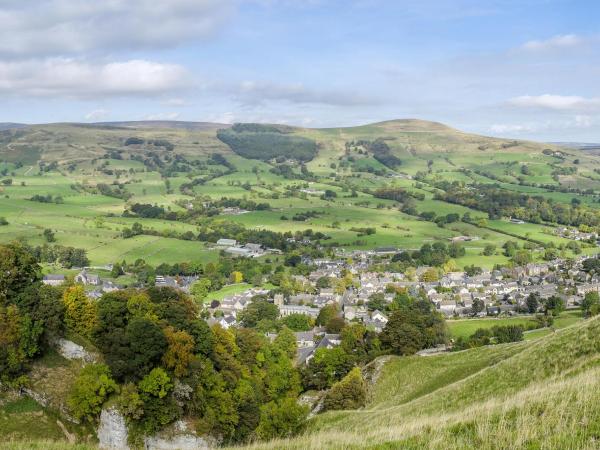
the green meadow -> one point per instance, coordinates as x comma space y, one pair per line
70, 161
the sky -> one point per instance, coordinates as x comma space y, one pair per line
526, 69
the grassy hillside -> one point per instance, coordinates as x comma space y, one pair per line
165, 163
538, 394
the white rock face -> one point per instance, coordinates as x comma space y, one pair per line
112, 432
71, 350
178, 442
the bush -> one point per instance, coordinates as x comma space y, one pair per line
90, 390
281, 418
350, 393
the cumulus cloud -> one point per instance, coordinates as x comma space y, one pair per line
555, 102
81, 79
254, 92
565, 124
556, 42
97, 114
59, 27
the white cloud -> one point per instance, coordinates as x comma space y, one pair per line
162, 116
97, 114
555, 102
562, 125
61, 77
59, 27
504, 128
556, 42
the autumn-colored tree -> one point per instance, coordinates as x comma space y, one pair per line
180, 351
139, 305
236, 277
80, 311
430, 275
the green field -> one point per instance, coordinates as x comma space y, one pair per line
466, 327
71, 161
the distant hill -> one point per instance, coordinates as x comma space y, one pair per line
174, 124
11, 125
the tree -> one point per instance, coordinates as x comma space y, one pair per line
349, 393
554, 305
236, 277
326, 367
298, 322
49, 235
326, 313
377, 302
414, 327
430, 275
20, 275
92, 387
281, 418
180, 351
532, 302
157, 383
80, 311
200, 289
477, 306
259, 309
19, 336
335, 325
521, 257
591, 304
489, 249
50, 310
286, 342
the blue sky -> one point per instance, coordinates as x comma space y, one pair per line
525, 69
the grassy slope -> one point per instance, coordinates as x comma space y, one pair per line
414, 142
540, 394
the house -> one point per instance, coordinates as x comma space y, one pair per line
305, 339
286, 310
226, 243
375, 325
87, 278
379, 316
53, 279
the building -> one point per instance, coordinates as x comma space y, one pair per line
53, 279
286, 310
87, 278
226, 242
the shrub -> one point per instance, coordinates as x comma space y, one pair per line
90, 390
349, 393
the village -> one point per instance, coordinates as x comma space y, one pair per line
496, 293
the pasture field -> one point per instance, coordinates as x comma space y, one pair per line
71, 162
466, 327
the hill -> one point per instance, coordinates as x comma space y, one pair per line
392, 179
540, 394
